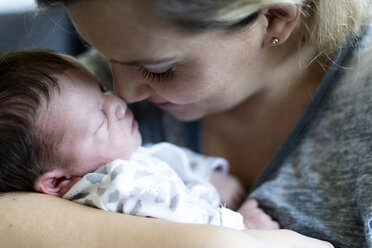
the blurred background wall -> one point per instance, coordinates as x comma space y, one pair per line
24, 26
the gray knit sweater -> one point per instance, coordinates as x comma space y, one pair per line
320, 182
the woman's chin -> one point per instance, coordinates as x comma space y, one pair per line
187, 116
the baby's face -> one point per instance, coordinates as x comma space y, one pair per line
97, 127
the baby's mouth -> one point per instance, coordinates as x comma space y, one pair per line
134, 126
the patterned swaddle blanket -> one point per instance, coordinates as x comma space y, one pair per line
161, 181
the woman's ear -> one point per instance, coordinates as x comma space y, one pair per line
282, 20
52, 182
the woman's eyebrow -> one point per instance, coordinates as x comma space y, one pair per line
144, 62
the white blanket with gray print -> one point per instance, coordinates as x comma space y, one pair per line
161, 181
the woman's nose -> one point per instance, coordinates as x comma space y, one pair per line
131, 90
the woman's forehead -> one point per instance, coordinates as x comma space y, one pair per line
129, 29
127, 18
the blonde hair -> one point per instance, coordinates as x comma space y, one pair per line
325, 24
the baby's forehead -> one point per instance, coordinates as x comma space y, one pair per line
77, 94
78, 76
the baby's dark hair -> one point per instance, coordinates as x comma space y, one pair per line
27, 80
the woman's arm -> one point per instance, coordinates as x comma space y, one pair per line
36, 221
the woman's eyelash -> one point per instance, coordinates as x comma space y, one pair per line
157, 77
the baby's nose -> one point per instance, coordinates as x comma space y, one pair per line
120, 112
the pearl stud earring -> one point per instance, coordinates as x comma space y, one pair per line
275, 41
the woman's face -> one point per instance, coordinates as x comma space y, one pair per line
188, 74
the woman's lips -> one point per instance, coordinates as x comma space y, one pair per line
165, 105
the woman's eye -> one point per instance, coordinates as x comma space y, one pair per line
157, 77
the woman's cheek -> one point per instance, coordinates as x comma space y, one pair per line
189, 88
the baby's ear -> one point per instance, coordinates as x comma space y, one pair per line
52, 182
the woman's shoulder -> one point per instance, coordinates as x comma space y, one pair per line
363, 57
357, 76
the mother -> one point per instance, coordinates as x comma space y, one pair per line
281, 89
